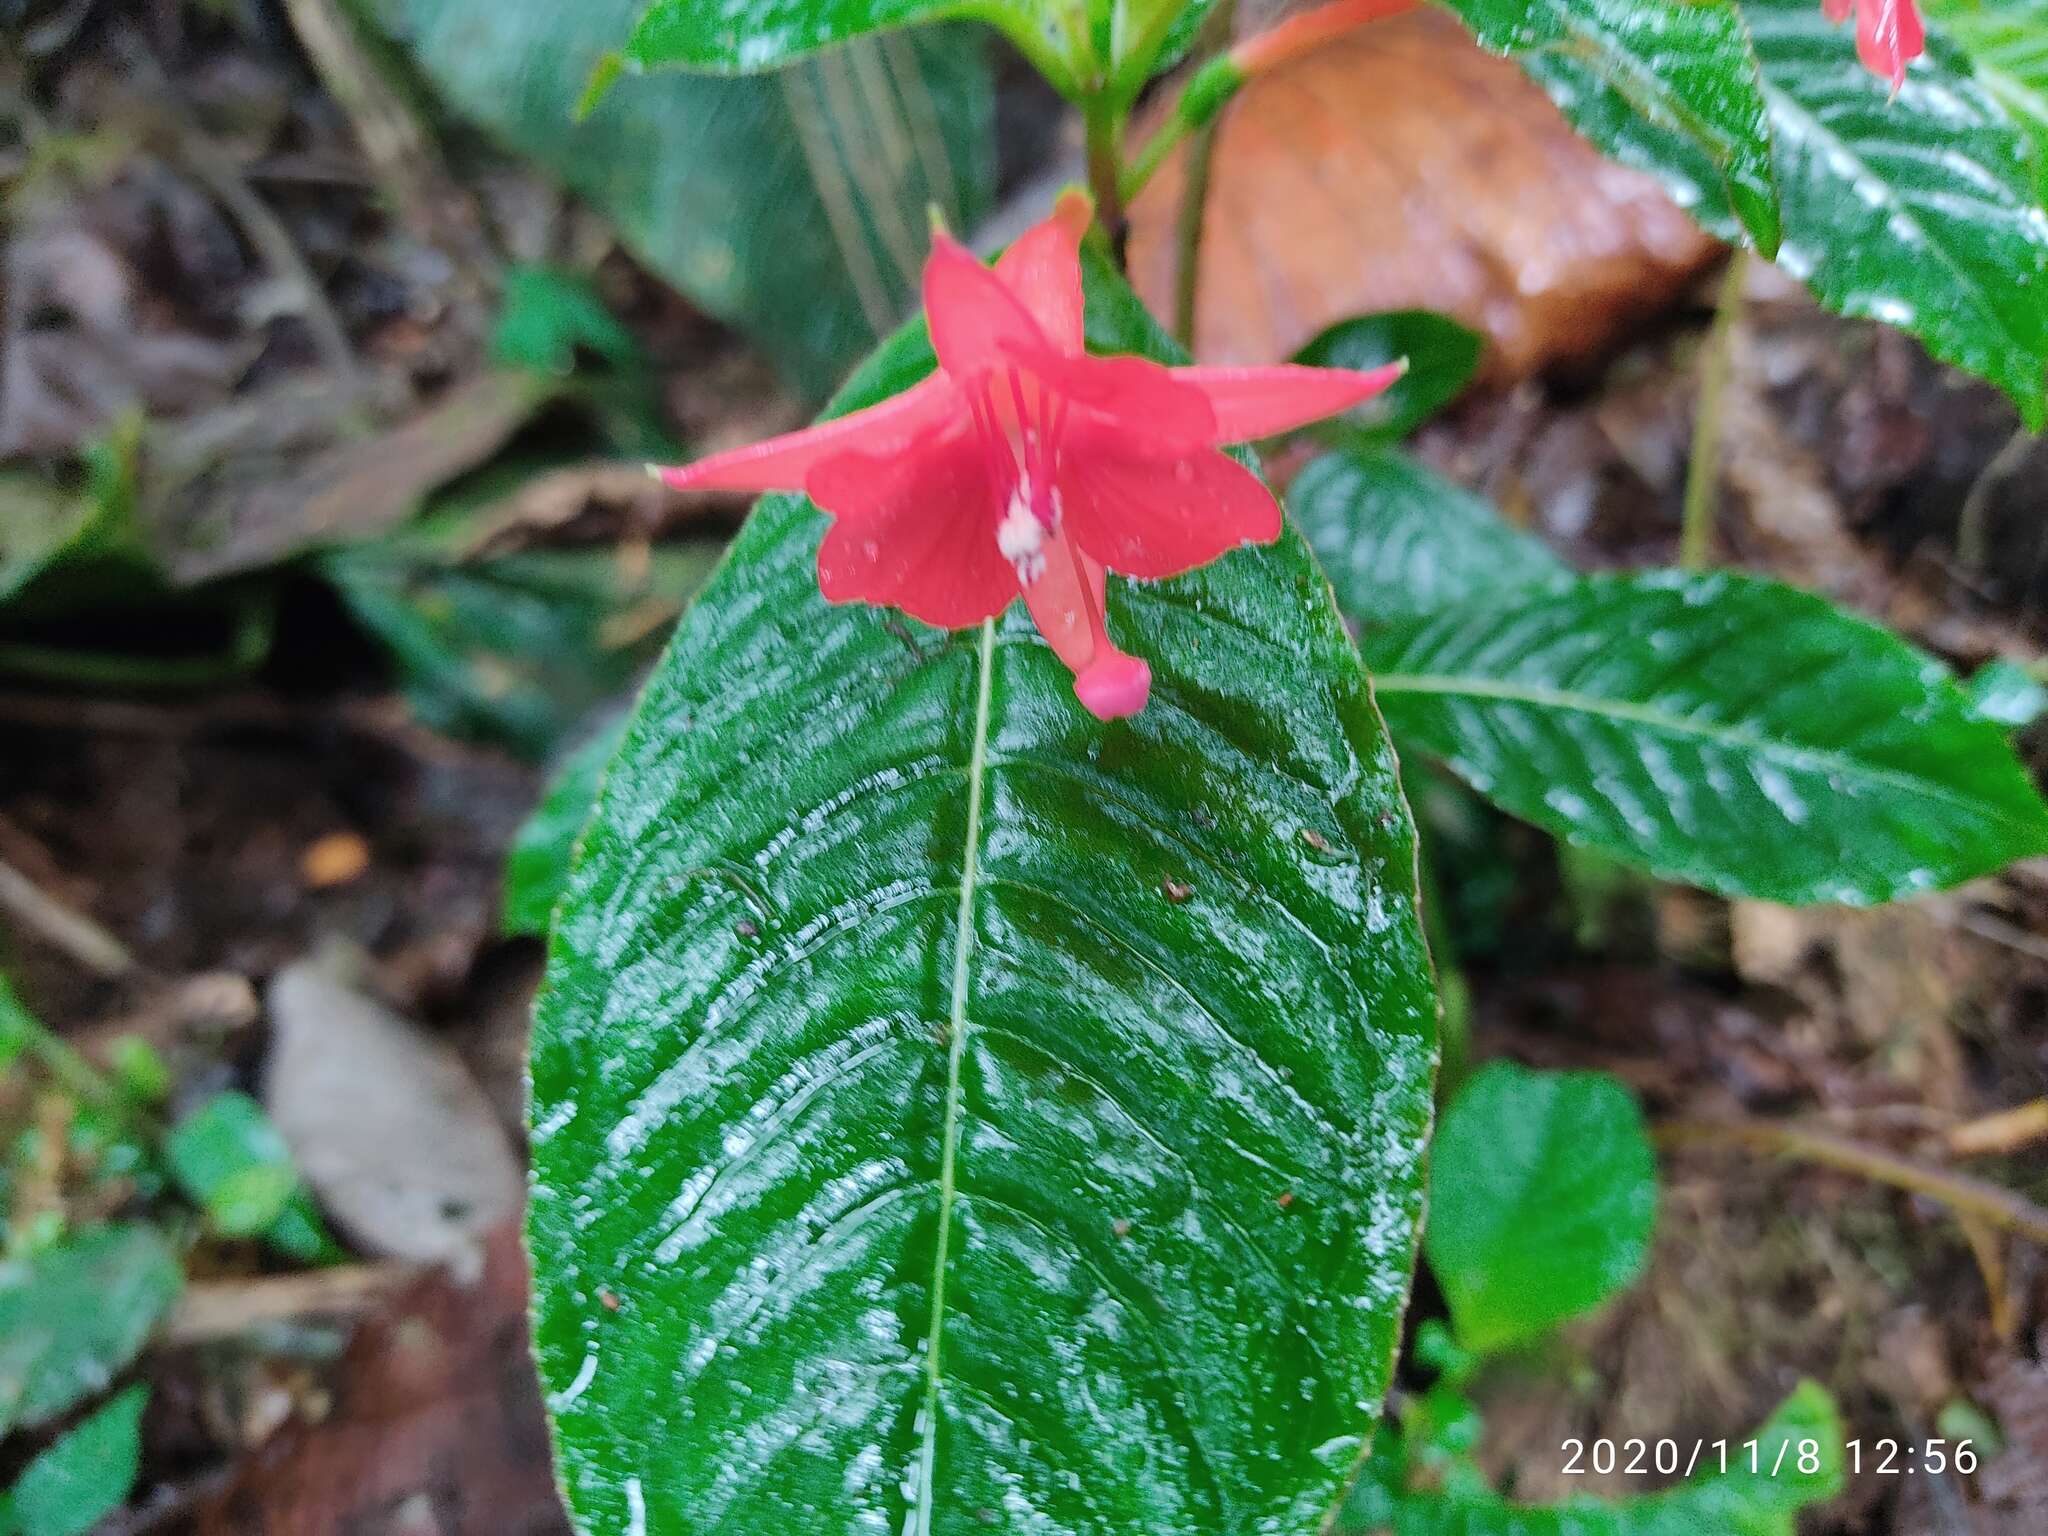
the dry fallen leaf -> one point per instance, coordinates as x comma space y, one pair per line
386, 1123
435, 1428
1400, 167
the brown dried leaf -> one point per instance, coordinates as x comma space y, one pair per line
435, 1430
1401, 167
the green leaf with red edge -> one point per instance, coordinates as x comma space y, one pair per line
949, 1107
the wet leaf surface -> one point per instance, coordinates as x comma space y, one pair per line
1717, 729
888, 1178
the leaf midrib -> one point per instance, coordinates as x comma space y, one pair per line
1819, 759
956, 1032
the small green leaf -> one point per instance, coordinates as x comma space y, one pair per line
1442, 357
538, 866
2006, 694
1717, 729
744, 194
548, 315
1399, 541
1636, 76
139, 1072
75, 1314
229, 1158
1794, 1460
947, 1103
84, 1477
1542, 1195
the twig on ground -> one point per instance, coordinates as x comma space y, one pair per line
2005, 1131
1961, 1192
213, 1310
58, 925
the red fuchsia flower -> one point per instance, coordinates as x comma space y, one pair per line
1888, 34
1026, 465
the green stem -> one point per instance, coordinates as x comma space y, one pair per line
1105, 125
1213, 84
1696, 527
1194, 196
66, 1066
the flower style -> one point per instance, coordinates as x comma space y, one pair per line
1024, 464
1888, 34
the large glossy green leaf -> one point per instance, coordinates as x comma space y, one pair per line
2008, 42
1755, 1486
1718, 729
73, 1315
1399, 541
1542, 1194
950, 1109
537, 867
1670, 86
743, 193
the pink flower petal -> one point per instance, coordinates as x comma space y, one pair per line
1888, 36
1114, 685
976, 322
1042, 268
1066, 603
782, 463
1129, 398
1258, 402
1153, 517
914, 531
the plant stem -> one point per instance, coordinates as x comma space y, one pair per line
1194, 194
1960, 1192
1696, 530
73, 932
1105, 124
67, 1068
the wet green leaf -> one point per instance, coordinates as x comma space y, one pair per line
742, 193
2006, 693
75, 1314
1099, 1221
1718, 729
84, 1477
1542, 1195
538, 866
1640, 77
1792, 1461
1399, 541
1442, 357
521, 646
2007, 40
